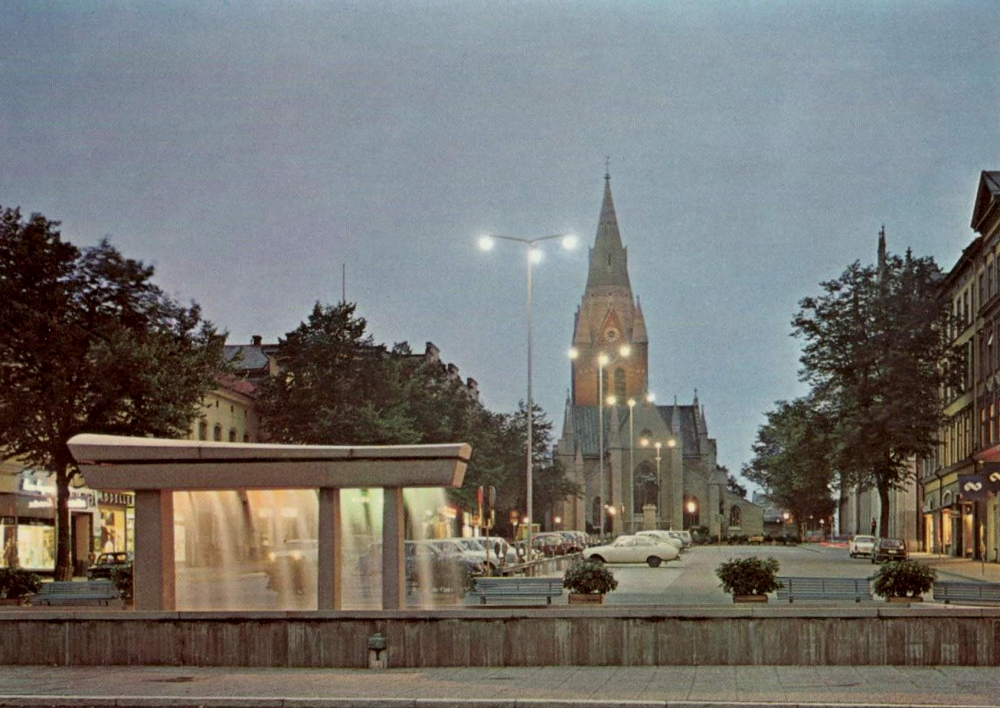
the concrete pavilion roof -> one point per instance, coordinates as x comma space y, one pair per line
116, 462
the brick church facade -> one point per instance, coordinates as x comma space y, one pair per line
660, 468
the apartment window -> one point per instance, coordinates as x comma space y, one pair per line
217, 433
232, 435
965, 308
991, 282
203, 430
982, 289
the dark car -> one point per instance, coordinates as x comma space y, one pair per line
107, 563
889, 549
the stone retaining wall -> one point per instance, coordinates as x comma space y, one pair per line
557, 636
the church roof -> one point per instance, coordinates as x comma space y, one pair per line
585, 418
608, 258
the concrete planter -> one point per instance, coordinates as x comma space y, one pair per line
749, 598
579, 598
904, 599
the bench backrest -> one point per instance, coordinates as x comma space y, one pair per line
984, 591
520, 583
802, 584
71, 587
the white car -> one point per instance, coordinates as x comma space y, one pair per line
861, 546
633, 549
670, 537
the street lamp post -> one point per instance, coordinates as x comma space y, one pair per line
671, 443
631, 468
659, 486
486, 243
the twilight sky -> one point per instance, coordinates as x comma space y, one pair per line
252, 150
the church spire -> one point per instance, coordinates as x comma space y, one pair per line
608, 258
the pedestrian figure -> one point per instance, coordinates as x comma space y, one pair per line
873, 526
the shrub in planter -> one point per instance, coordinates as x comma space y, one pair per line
749, 576
122, 578
903, 579
589, 577
16, 583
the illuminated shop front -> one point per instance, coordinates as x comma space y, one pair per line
117, 522
28, 517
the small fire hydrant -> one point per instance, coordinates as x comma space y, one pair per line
377, 653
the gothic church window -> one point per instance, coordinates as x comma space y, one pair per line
735, 516
620, 383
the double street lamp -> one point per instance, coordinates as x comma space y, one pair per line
534, 255
603, 360
671, 443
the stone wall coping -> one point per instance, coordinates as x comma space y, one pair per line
504, 613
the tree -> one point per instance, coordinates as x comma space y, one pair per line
90, 345
876, 353
734, 486
792, 460
336, 386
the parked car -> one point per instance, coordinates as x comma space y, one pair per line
664, 536
107, 563
889, 549
476, 545
292, 568
634, 549
861, 546
550, 543
439, 564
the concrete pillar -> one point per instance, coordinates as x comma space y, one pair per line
154, 576
393, 560
330, 556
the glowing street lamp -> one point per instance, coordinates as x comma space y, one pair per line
534, 255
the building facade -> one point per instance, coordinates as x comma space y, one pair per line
640, 465
959, 486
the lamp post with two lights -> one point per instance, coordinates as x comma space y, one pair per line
534, 255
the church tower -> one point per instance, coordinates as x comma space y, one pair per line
609, 321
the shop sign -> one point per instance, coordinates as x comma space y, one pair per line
77, 502
116, 499
977, 486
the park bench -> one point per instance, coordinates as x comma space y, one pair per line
971, 592
793, 588
69, 592
519, 588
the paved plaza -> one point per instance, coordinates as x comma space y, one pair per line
588, 687
690, 581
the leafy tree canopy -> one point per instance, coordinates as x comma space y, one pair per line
792, 460
90, 345
876, 352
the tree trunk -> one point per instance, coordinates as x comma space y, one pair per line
64, 563
883, 523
